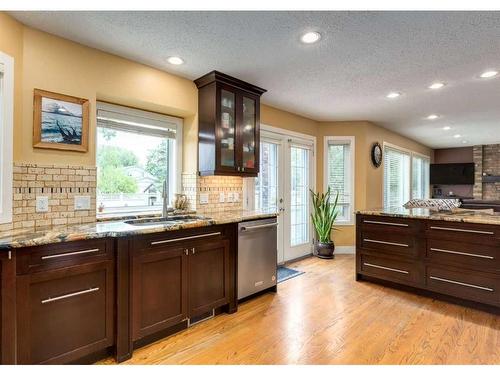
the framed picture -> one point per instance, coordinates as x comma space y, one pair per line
60, 121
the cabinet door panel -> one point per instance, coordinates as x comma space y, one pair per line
248, 142
160, 291
208, 276
226, 131
65, 314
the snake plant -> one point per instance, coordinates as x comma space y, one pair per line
324, 214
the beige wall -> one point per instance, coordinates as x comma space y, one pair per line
286, 120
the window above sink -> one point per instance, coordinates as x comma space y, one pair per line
136, 151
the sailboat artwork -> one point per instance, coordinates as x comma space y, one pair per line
61, 121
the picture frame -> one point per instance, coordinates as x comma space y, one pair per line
60, 122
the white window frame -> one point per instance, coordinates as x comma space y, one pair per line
6, 137
352, 151
410, 174
157, 120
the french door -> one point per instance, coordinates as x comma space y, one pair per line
286, 175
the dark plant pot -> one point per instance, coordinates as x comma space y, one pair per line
324, 250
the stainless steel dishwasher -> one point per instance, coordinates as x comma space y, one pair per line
257, 256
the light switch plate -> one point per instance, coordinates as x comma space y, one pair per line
203, 198
82, 202
221, 197
236, 197
230, 197
42, 204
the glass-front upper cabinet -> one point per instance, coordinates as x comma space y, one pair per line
249, 140
228, 127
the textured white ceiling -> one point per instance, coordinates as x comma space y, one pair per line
360, 58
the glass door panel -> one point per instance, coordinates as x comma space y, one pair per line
299, 196
248, 133
227, 128
266, 184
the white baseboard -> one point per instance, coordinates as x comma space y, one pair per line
345, 249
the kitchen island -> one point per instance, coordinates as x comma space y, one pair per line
452, 254
73, 294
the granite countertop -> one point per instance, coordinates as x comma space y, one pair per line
457, 215
19, 238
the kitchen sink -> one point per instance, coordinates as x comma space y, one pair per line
169, 220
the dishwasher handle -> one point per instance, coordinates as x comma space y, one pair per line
259, 226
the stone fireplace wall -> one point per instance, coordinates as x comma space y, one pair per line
487, 162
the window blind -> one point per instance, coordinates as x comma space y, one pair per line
396, 177
117, 117
420, 177
339, 173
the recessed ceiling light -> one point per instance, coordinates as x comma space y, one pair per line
457, 136
464, 141
175, 60
489, 74
446, 128
393, 95
432, 117
310, 37
436, 85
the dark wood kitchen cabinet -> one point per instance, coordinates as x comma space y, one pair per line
159, 290
65, 302
178, 277
443, 257
208, 276
7, 308
229, 131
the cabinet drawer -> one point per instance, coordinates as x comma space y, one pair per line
464, 284
404, 272
66, 314
463, 254
174, 239
389, 243
45, 257
464, 232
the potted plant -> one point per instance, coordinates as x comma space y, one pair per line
323, 217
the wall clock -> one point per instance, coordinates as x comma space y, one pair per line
376, 154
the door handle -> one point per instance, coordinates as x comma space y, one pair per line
192, 250
259, 226
186, 251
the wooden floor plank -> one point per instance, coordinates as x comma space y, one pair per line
325, 317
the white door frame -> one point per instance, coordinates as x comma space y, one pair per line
282, 137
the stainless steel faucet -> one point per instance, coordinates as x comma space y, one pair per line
166, 199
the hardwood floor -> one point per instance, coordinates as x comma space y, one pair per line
325, 317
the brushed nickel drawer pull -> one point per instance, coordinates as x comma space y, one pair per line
386, 243
65, 296
385, 223
461, 253
386, 268
460, 283
71, 253
463, 230
186, 238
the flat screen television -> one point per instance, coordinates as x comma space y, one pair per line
452, 174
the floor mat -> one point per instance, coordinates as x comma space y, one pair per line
285, 273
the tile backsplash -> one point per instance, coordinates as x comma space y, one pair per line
195, 187
60, 184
